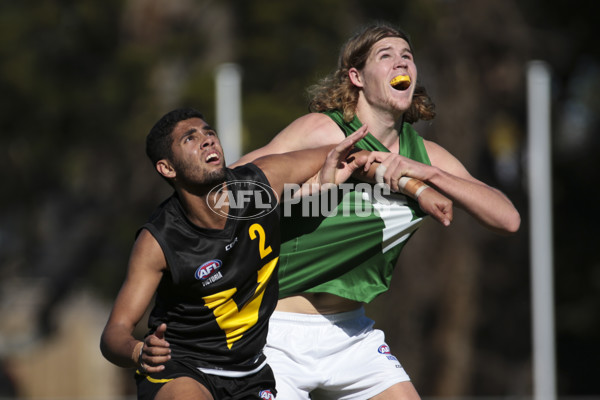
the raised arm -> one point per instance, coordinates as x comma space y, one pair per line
118, 345
486, 204
448, 175
330, 164
307, 132
430, 200
316, 130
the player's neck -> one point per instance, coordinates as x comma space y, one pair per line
382, 125
199, 209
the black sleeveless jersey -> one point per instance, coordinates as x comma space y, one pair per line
221, 286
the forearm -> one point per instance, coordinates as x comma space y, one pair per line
408, 186
333, 163
304, 166
486, 204
120, 347
296, 167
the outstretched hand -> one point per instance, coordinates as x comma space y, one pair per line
155, 351
343, 160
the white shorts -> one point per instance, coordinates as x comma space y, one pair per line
337, 357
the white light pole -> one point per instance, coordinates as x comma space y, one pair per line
228, 85
540, 208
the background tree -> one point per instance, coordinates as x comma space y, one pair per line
82, 82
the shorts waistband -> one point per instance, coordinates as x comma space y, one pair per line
317, 318
232, 374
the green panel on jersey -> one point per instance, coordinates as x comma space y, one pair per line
341, 243
351, 256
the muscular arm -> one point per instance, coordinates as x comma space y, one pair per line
307, 132
315, 130
325, 164
430, 200
486, 204
146, 266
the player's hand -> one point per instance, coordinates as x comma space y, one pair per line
437, 205
430, 200
396, 166
343, 160
155, 351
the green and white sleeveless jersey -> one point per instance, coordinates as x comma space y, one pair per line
352, 253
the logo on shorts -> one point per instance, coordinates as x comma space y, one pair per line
208, 272
266, 394
384, 349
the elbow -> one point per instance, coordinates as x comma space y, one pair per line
103, 347
513, 223
107, 348
507, 225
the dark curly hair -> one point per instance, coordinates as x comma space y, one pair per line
159, 139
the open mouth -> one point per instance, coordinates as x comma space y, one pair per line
401, 82
212, 157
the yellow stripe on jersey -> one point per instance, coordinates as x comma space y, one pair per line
235, 322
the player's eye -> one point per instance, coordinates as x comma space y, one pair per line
189, 138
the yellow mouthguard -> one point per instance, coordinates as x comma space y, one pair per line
403, 81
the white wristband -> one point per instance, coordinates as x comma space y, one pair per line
420, 190
403, 181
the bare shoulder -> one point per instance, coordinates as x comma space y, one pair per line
444, 160
434, 150
146, 241
306, 132
147, 253
312, 130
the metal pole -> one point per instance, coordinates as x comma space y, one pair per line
228, 79
540, 208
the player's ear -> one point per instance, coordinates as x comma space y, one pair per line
355, 77
165, 168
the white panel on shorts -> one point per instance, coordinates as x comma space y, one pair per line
337, 357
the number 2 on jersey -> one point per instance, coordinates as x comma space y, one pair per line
258, 229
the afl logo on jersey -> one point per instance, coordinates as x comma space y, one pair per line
207, 269
266, 394
384, 349
231, 199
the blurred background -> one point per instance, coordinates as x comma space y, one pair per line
82, 82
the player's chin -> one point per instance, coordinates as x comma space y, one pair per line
217, 176
400, 105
